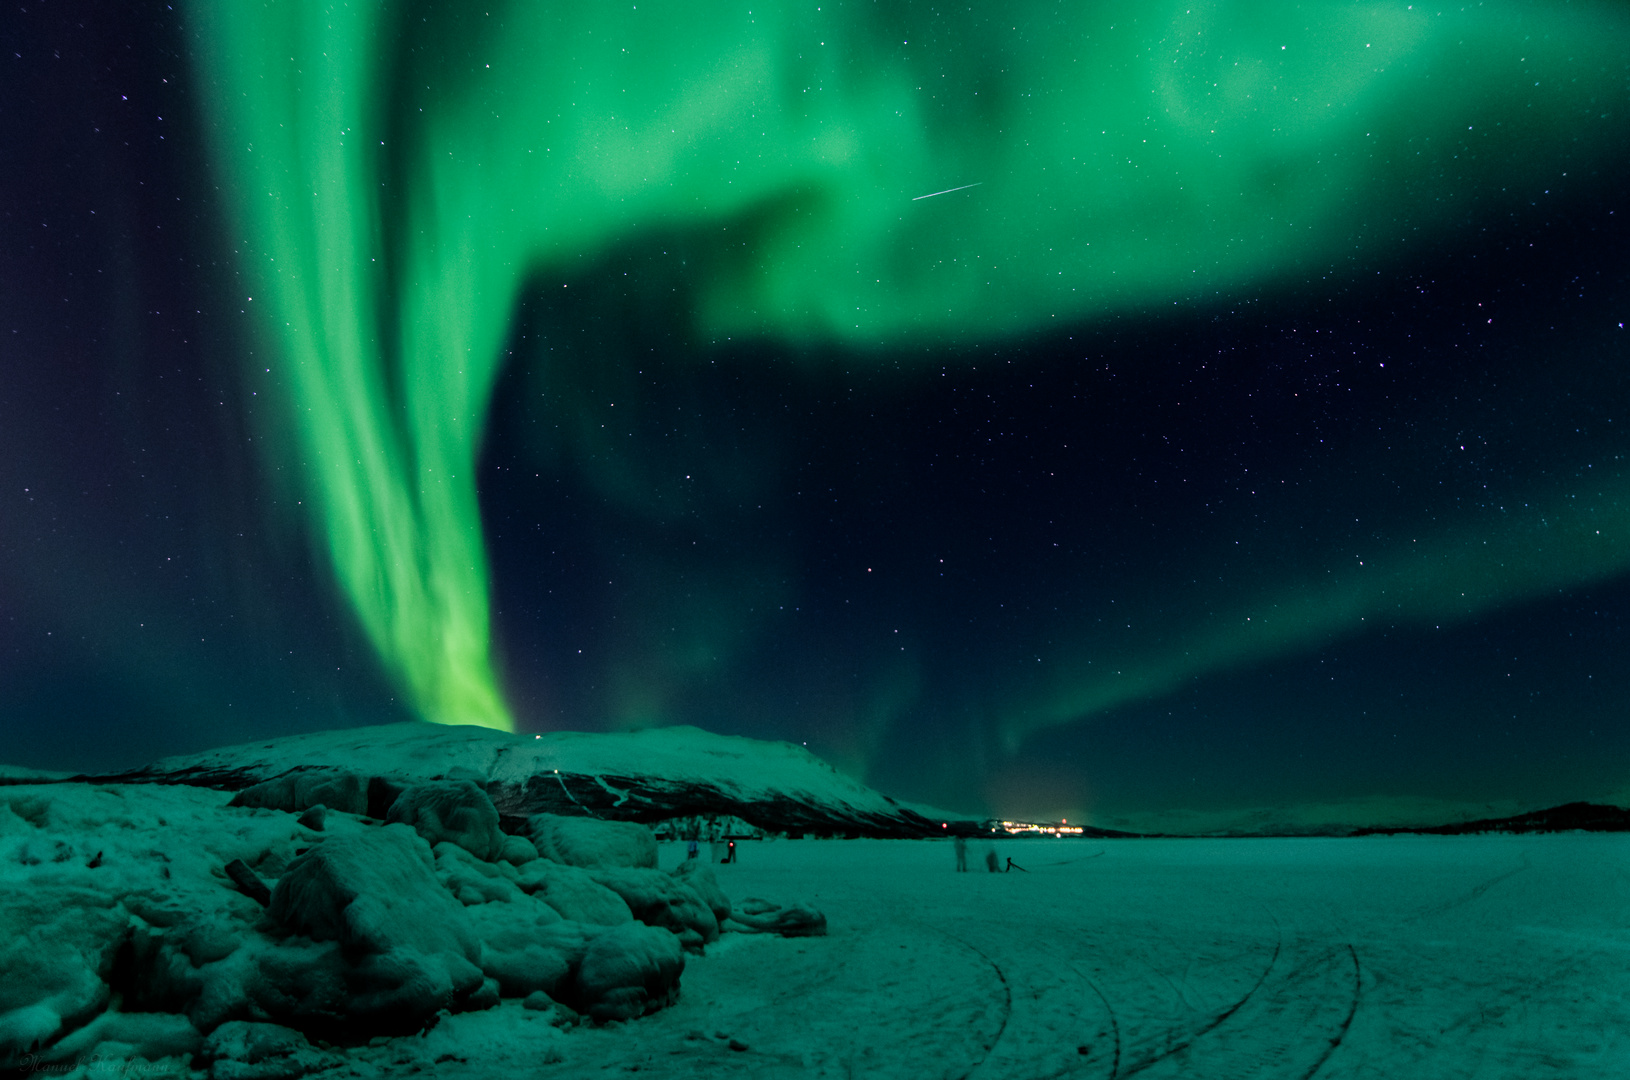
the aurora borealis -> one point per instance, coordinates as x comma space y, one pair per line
570, 367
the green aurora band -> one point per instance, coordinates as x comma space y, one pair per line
1452, 573
397, 175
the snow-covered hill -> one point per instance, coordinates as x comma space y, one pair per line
645, 776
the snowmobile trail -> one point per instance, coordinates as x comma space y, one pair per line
1473, 894
1287, 1026
1006, 1006
1347, 1022
1085, 1049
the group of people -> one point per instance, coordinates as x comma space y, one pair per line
694, 850
991, 859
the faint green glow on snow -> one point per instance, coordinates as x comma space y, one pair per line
395, 173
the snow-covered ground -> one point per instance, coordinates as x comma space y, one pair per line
1392, 958
1385, 957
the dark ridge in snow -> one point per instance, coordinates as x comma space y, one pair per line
644, 776
1570, 817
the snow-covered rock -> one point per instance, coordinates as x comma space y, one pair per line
301, 789
528, 947
376, 894
574, 893
217, 968
117, 1036
56, 951
474, 881
659, 899
451, 810
755, 916
517, 851
699, 877
628, 971
241, 1050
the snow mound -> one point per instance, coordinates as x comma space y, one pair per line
517, 851
530, 949
376, 894
453, 810
306, 788
472, 881
628, 971
56, 951
764, 917
591, 843
241, 1050
574, 893
699, 877
662, 900
118, 1036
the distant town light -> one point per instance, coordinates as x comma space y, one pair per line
1041, 828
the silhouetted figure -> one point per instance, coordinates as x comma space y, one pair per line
730, 852
691, 852
1012, 866
990, 859
961, 854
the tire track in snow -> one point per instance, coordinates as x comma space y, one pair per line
1287, 1030
1114, 1024
1536, 986
1352, 1011
1007, 1003
1067, 862
1475, 892
1217, 1019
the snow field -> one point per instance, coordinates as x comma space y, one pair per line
1385, 957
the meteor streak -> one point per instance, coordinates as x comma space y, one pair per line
947, 191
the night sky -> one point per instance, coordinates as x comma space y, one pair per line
1345, 520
